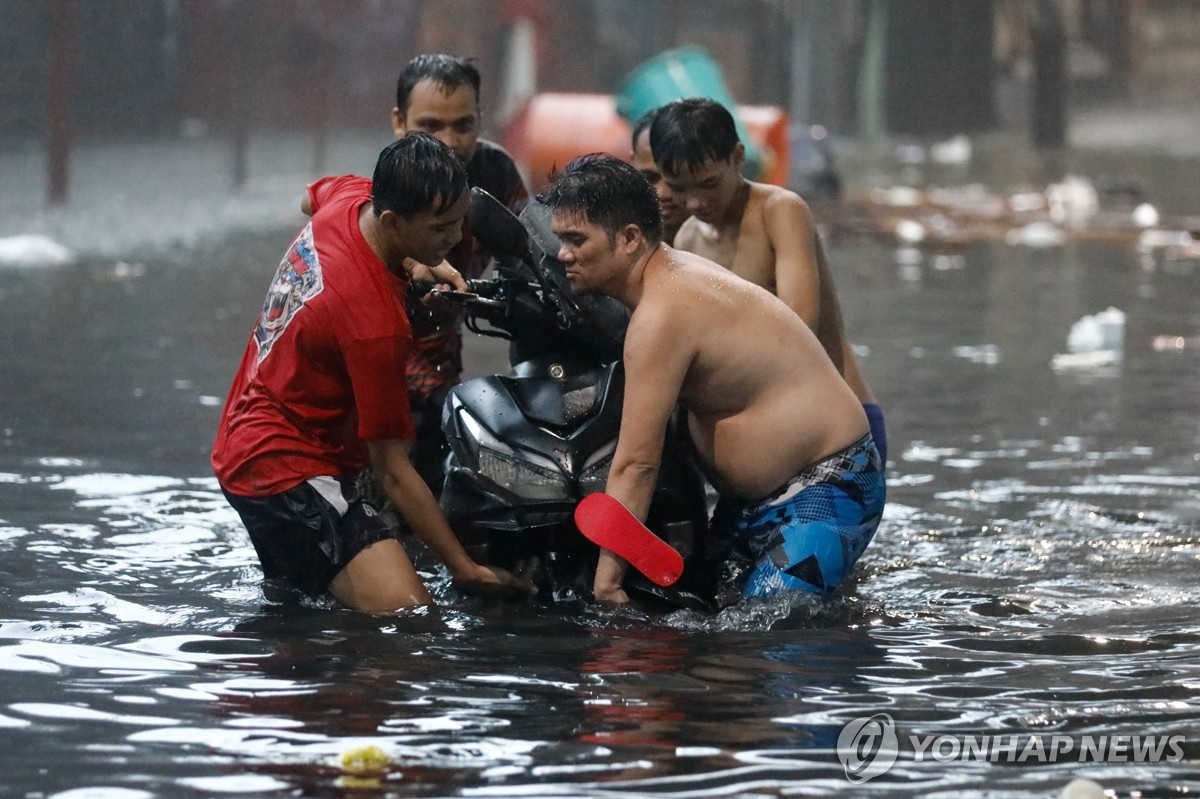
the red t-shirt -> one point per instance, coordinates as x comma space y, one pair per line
323, 372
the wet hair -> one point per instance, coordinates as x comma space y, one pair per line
687, 133
447, 71
643, 123
608, 192
416, 173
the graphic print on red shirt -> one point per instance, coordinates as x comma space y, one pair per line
297, 280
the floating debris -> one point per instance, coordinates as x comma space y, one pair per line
364, 767
985, 353
1037, 234
1094, 341
33, 250
1146, 215
1082, 789
955, 217
1102, 331
1074, 201
955, 150
1085, 360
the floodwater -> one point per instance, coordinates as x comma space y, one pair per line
1034, 575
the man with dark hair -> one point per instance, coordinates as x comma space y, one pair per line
777, 430
320, 389
765, 234
642, 159
438, 94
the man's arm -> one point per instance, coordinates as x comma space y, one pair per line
656, 359
415, 503
791, 231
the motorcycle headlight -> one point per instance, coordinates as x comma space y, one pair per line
521, 478
513, 471
595, 476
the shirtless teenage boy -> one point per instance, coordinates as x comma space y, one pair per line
763, 233
777, 430
642, 159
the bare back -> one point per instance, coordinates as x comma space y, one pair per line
763, 400
774, 244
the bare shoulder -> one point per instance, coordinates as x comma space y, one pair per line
688, 235
783, 214
659, 327
676, 282
778, 200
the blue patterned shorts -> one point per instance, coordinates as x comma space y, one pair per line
808, 534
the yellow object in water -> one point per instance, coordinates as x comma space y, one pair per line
365, 760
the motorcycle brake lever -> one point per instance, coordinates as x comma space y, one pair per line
452, 294
467, 298
420, 287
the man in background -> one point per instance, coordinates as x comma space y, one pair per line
438, 94
642, 159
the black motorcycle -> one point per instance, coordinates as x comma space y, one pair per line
526, 446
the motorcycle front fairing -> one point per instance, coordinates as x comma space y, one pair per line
526, 447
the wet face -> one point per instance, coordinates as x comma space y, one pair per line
452, 117
672, 212
428, 236
707, 190
587, 253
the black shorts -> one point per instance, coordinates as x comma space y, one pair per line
308, 534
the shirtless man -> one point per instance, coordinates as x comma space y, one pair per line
777, 430
642, 159
763, 233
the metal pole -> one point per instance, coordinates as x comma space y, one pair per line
801, 23
1049, 74
58, 98
873, 75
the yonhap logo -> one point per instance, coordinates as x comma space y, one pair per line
868, 747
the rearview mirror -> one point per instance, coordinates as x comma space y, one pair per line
538, 220
496, 227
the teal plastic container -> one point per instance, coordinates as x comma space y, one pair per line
673, 75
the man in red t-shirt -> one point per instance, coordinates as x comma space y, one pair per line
320, 392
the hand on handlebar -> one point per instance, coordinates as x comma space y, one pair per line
442, 274
444, 277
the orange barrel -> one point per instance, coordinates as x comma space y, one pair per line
553, 128
768, 127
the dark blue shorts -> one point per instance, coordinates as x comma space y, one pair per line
308, 534
808, 534
878, 429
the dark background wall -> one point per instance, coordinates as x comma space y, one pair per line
138, 66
